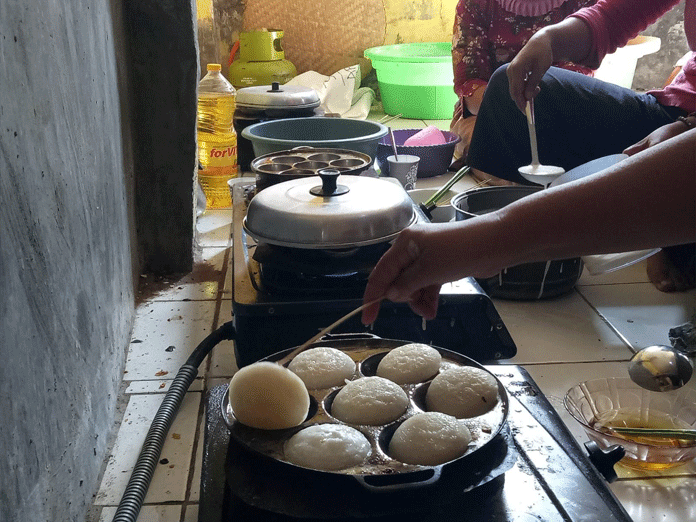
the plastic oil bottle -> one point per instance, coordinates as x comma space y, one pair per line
217, 139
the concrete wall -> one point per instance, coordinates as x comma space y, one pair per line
652, 70
69, 255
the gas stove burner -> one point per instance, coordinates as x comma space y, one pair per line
283, 282
313, 262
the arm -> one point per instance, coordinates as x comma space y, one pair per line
645, 201
569, 40
585, 37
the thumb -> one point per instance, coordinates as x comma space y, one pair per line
636, 147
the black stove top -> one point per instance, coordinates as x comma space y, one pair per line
536, 472
277, 305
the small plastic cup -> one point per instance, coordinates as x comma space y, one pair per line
405, 169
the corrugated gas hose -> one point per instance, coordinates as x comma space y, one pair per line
139, 482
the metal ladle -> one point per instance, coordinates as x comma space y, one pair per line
536, 173
660, 368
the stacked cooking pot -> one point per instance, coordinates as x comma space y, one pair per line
354, 211
270, 102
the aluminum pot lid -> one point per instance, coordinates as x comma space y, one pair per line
276, 96
329, 211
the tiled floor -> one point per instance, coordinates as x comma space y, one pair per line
586, 334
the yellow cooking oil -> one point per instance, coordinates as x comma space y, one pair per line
632, 418
217, 139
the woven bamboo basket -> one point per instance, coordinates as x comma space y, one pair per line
326, 36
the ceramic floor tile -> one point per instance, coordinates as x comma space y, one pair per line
555, 380
160, 386
171, 475
191, 514
563, 329
397, 123
202, 283
658, 500
436, 182
170, 513
164, 335
195, 491
640, 312
213, 228
631, 274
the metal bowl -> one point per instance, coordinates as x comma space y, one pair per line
601, 403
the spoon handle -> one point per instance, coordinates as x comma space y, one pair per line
673, 433
529, 111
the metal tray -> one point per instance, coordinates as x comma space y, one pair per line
301, 162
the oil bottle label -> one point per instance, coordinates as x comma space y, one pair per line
222, 155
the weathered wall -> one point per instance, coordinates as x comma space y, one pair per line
66, 259
75, 77
652, 70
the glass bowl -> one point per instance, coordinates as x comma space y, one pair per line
600, 404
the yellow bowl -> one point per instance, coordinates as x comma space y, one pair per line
600, 404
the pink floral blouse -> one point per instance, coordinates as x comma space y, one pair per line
489, 33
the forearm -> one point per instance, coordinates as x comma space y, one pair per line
569, 40
646, 201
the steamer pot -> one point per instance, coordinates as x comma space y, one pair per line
485, 459
330, 212
269, 102
528, 281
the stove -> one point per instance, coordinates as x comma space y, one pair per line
282, 297
534, 472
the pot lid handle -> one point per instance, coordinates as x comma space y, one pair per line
329, 184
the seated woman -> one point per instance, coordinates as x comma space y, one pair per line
487, 34
579, 118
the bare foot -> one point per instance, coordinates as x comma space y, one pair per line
672, 269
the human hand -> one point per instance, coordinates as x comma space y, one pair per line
528, 67
657, 136
407, 272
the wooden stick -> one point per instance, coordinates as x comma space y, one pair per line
326, 330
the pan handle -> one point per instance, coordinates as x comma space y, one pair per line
400, 482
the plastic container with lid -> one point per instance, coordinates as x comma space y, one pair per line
415, 80
217, 138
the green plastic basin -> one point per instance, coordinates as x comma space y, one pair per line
415, 79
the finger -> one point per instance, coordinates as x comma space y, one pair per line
425, 302
636, 147
388, 269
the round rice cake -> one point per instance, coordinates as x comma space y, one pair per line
268, 396
327, 447
429, 439
410, 363
463, 392
323, 367
369, 400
